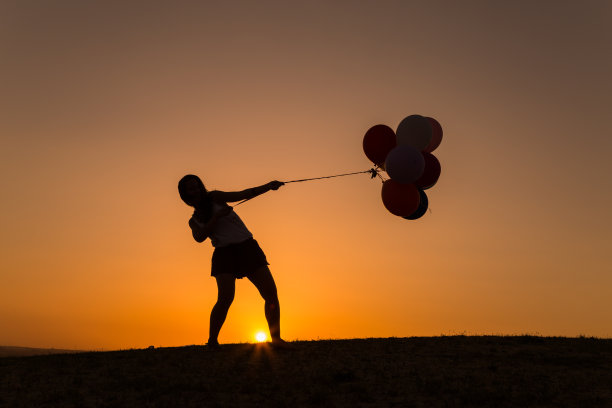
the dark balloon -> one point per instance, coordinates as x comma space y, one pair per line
431, 173
436, 137
405, 164
415, 131
377, 143
423, 206
400, 199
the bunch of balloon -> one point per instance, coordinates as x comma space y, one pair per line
406, 156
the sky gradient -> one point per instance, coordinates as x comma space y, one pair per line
104, 106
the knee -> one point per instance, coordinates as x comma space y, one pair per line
224, 301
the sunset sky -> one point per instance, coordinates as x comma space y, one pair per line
105, 105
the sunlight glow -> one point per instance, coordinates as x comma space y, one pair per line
261, 337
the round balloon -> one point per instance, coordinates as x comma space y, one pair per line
415, 131
431, 173
405, 164
422, 209
436, 135
400, 199
377, 143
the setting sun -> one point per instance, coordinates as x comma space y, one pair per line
260, 337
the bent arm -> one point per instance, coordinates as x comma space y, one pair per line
201, 230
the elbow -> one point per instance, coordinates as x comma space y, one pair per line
200, 238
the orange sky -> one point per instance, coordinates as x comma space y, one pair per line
103, 107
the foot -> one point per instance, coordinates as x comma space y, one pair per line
212, 345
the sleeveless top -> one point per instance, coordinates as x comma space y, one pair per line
229, 229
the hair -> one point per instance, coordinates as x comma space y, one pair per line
204, 210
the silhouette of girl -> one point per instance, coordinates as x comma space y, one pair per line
236, 253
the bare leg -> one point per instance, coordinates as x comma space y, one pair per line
264, 282
226, 286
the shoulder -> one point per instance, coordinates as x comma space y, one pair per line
217, 196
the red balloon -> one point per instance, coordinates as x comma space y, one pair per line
377, 142
400, 199
431, 173
436, 138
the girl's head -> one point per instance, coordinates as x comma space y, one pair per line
192, 190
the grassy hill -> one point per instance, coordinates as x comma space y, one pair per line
8, 351
448, 371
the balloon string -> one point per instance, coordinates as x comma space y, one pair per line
373, 172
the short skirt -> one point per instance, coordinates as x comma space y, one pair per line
239, 259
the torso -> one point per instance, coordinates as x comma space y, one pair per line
229, 229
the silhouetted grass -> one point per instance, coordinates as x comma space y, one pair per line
7, 351
448, 371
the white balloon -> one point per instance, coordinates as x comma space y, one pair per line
415, 131
405, 164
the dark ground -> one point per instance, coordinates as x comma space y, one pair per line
448, 371
6, 351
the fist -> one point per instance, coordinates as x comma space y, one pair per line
275, 185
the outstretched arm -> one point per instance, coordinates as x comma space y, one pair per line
232, 196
